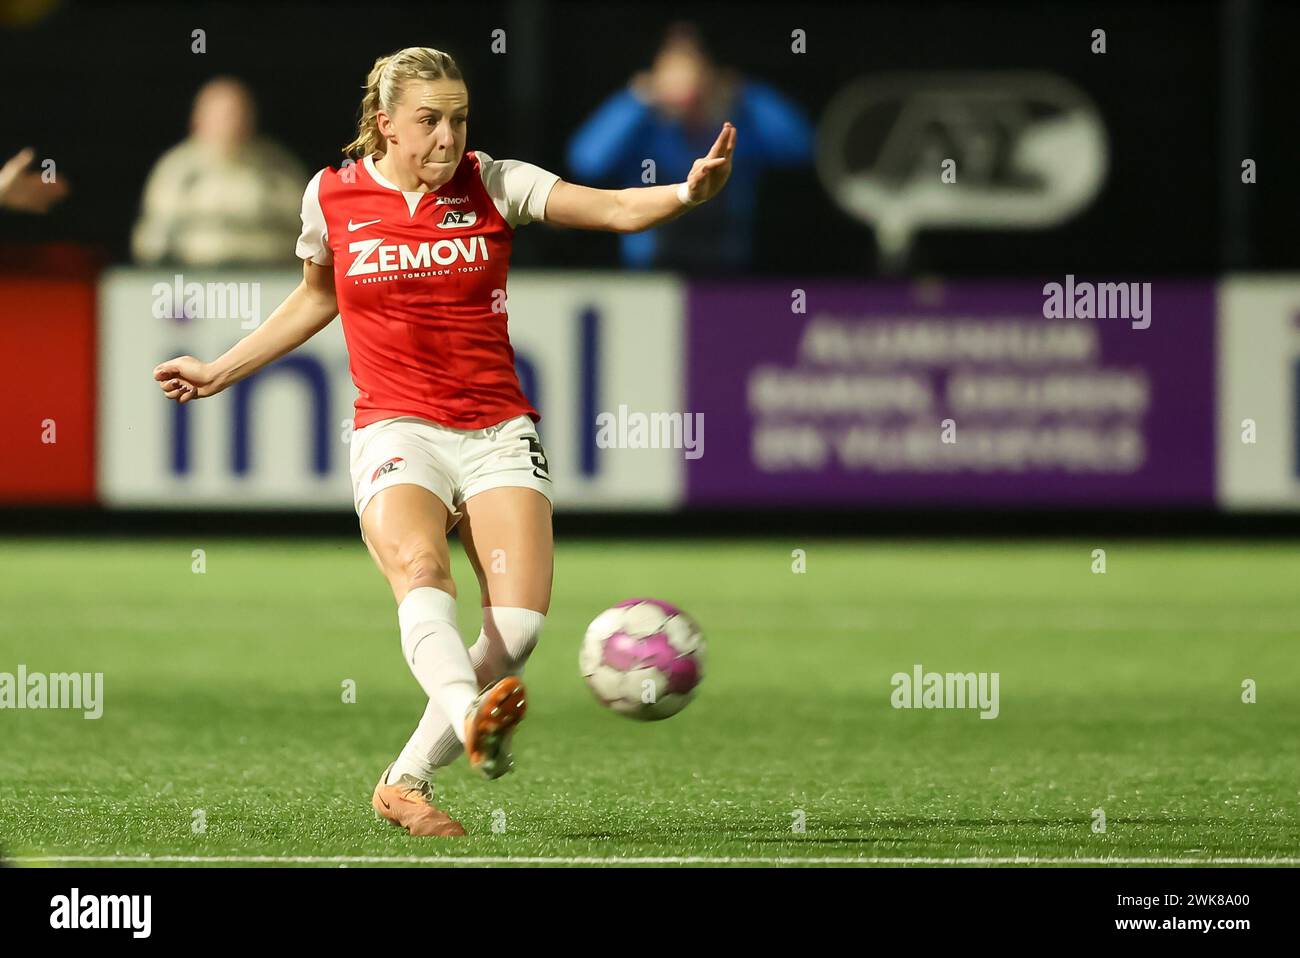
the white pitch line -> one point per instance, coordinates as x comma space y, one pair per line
617, 860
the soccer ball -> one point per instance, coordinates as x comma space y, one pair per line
643, 658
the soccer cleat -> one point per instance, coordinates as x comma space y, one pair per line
408, 804
490, 724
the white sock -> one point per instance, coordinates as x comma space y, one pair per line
432, 746
504, 643
436, 654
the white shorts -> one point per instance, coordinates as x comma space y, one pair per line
453, 464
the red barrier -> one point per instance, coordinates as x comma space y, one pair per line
47, 390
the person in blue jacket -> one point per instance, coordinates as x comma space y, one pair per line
670, 114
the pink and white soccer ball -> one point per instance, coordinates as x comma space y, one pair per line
643, 658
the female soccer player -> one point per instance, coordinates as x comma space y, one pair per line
411, 246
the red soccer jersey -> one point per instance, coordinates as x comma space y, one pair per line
420, 280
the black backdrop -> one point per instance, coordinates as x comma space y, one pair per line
1184, 88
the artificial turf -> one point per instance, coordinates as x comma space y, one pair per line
223, 705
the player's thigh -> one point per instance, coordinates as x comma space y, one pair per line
507, 536
405, 528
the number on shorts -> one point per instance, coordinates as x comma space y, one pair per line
535, 451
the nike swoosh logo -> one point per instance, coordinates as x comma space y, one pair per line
385, 804
356, 226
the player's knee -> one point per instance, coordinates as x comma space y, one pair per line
512, 636
421, 565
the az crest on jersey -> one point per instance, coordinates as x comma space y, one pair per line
454, 218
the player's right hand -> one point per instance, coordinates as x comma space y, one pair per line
185, 378
23, 189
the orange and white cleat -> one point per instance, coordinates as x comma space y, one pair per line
408, 804
490, 724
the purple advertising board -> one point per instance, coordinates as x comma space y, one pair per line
959, 393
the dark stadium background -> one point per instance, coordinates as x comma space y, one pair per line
1160, 212
1185, 89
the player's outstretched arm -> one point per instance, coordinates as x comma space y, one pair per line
640, 208
304, 313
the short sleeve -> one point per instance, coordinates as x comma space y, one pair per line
518, 189
313, 242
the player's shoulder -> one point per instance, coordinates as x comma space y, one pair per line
488, 166
330, 177
490, 172
496, 172
335, 184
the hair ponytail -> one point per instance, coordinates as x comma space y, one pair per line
384, 86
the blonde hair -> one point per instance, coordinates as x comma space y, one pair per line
384, 86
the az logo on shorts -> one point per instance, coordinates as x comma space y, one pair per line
392, 465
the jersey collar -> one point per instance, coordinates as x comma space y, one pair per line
412, 196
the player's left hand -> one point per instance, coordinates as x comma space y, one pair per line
710, 173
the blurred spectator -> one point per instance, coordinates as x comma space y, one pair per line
224, 196
672, 114
26, 190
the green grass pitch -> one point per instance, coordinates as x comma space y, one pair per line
223, 701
